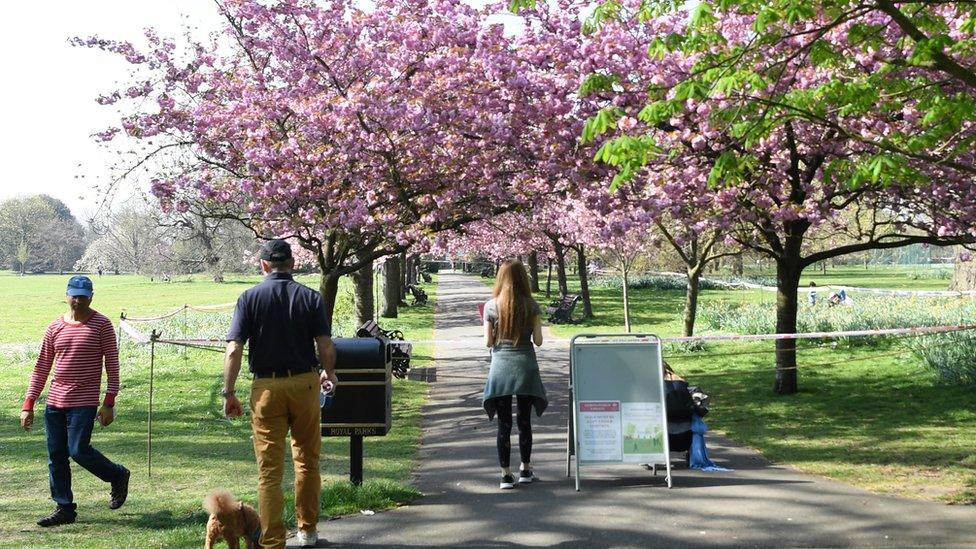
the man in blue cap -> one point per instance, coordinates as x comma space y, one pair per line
292, 358
77, 344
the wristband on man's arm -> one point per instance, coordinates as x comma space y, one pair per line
109, 400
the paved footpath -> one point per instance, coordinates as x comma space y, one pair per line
758, 505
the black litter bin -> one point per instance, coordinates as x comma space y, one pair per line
362, 403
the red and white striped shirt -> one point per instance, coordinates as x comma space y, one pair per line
77, 351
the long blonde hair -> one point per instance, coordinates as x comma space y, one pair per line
513, 298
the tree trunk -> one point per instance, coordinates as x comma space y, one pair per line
549, 280
391, 288
584, 282
623, 271
402, 286
691, 299
415, 269
964, 274
329, 289
534, 271
561, 268
737, 266
788, 272
363, 293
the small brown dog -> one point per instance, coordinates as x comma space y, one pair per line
231, 520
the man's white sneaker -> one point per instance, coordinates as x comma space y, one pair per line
308, 539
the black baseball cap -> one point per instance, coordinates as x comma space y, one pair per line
275, 250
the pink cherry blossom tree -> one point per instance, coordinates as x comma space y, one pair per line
357, 132
774, 173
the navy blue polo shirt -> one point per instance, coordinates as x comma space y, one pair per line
281, 319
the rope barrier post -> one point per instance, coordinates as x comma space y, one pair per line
118, 338
185, 307
152, 366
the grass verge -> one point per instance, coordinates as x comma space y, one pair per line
195, 449
873, 416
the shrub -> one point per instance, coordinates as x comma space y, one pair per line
752, 279
653, 282
19, 353
931, 274
952, 355
867, 313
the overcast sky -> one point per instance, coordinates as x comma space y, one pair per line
47, 100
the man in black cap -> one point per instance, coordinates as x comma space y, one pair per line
284, 321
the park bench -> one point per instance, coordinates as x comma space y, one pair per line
399, 350
560, 311
418, 293
488, 271
425, 276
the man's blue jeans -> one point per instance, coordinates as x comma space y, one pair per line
69, 435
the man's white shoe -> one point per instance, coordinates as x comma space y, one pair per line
308, 539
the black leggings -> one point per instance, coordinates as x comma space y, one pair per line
504, 410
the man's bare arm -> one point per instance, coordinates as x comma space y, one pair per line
327, 358
232, 364
232, 368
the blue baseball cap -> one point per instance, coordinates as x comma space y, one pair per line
80, 285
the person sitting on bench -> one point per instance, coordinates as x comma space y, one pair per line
686, 431
680, 411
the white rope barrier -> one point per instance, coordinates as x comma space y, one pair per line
198, 308
134, 333
155, 318
855, 289
915, 330
142, 339
211, 308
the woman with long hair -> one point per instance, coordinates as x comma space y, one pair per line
512, 323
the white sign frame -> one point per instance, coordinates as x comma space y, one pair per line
648, 345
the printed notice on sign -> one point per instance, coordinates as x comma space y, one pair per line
643, 432
599, 431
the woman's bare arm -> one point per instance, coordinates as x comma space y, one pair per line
537, 331
489, 334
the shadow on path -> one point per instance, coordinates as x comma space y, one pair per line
759, 504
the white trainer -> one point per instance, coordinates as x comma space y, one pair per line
308, 539
526, 476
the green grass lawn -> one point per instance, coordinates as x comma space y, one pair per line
195, 449
873, 416
910, 277
902, 278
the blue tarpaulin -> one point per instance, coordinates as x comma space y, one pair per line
698, 455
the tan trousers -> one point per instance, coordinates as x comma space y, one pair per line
278, 404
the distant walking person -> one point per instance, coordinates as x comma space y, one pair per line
77, 345
812, 294
284, 322
512, 323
